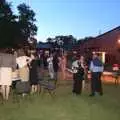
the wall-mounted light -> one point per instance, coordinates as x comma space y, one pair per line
119, 41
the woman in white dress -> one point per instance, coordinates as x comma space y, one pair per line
7, 64
50, 66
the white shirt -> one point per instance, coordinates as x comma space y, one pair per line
75, 66
50, 60
94, 68
22, 61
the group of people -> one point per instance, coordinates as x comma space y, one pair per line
80, 72
19, 65
55, 63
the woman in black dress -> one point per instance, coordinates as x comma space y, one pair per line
33, 74
55, 66
78, 77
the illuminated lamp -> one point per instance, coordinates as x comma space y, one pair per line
119, 41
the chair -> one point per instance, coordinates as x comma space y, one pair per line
116, 75
23, 87
49, 86
19, 89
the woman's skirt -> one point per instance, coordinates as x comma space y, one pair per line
5, 76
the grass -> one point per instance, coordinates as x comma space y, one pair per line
65, 106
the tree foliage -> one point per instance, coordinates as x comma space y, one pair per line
80, 41
65, 42
16, 29
7, 19
50, 40
26, 20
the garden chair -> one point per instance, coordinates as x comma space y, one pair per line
116, 74
19, 89
48, 86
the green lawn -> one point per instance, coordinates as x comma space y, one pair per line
65, 106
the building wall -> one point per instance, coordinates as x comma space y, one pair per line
107, 42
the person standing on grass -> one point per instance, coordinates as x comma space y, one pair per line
33, 73
78, 76
82, 62
7, 65
63, 62
23, 61
55, 66
96, 68
50, 66
45, 56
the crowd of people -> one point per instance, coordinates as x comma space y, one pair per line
17, 66
80, 72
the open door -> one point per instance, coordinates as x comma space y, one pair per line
101, 55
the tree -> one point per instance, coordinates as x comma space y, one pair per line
33, 43
49, 40
7, 22
26, 21
6, 13
80, 41
16, 29
66, 41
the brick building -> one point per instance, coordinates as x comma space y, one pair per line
107, 44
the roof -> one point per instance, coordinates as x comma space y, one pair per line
117, 28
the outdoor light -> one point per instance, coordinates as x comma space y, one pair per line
119, 41
93, 53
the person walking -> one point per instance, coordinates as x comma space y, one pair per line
96, 68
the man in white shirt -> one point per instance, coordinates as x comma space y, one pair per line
96, 68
